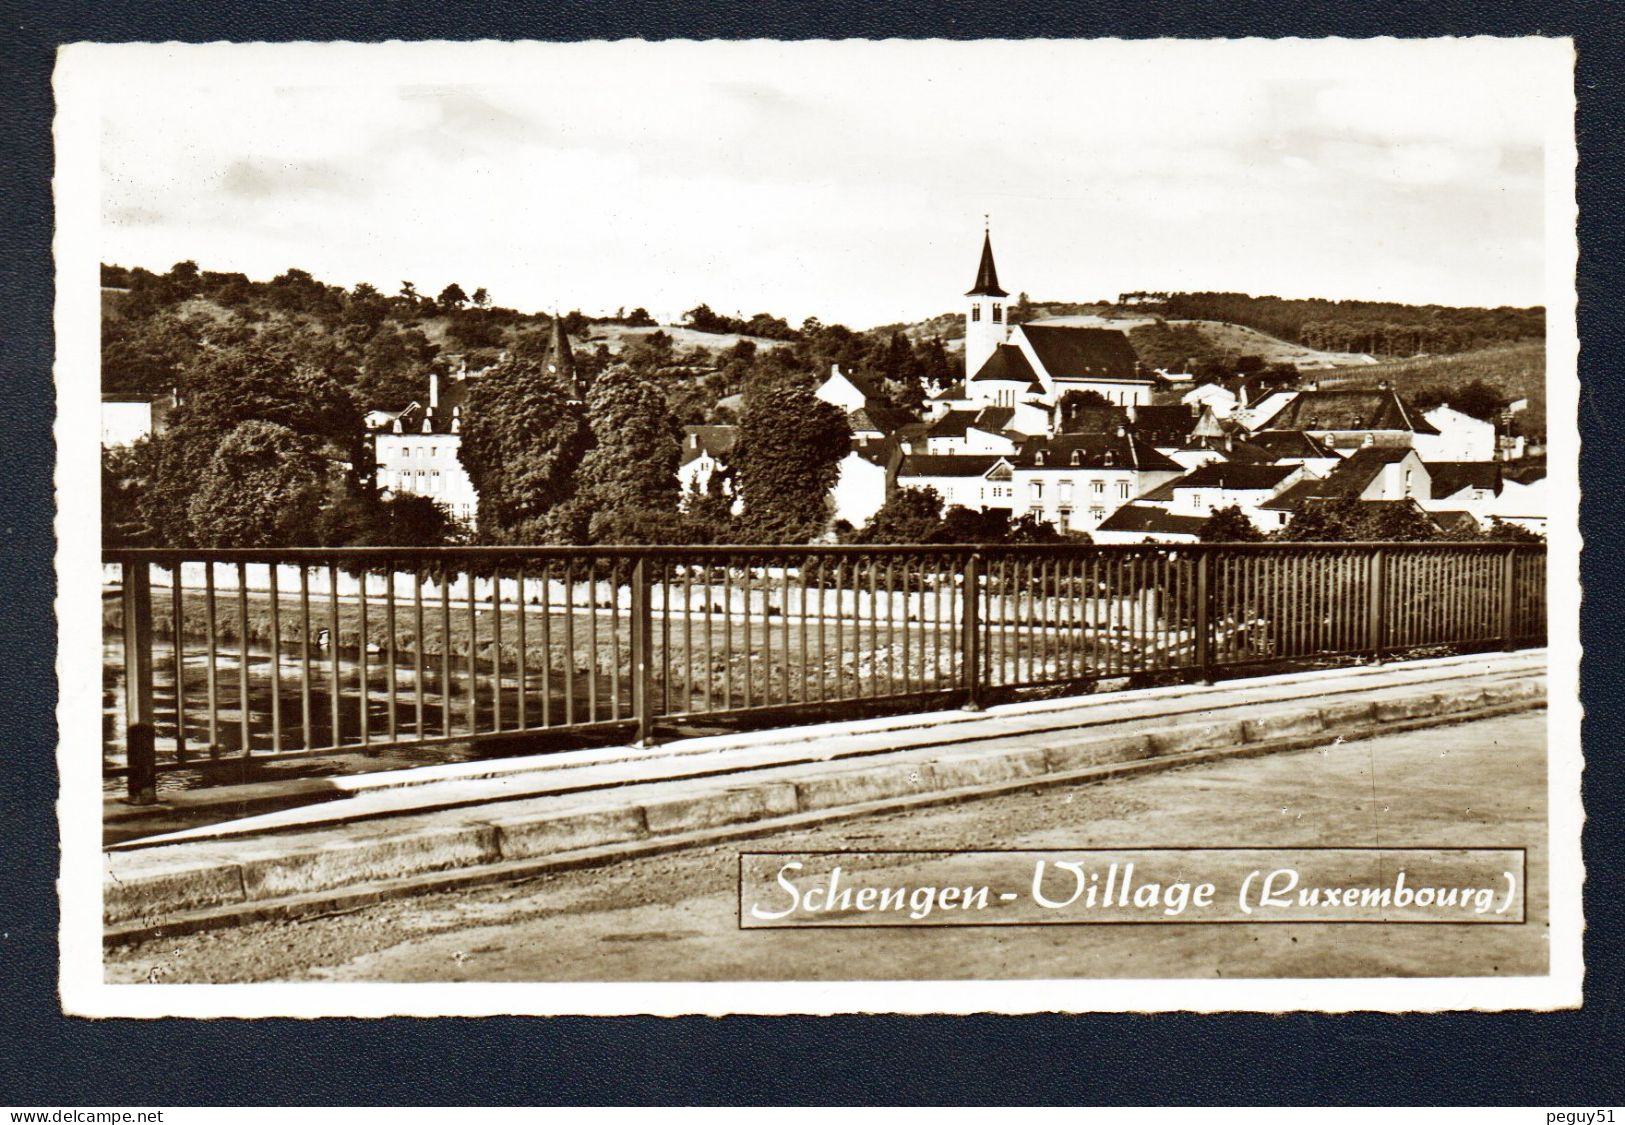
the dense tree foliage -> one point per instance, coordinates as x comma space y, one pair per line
1229, 525
787, 459
1350, 520
522, 438
628, 482
915, 515
263, 487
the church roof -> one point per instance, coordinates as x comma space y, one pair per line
1008, 364
1075, 352
987, 277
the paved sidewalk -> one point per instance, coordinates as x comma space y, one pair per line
416, 832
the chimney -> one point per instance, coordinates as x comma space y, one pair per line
434, 389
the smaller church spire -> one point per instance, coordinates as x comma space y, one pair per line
987, 277
562, 361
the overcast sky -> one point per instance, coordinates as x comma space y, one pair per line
844, 180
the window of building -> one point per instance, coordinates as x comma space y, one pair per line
975, 313
1098, 487
1097, 513
1036, 491
1063, 517
998, 314
1065, 492
1077, 457
1122, 490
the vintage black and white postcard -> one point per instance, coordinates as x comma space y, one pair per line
818, 527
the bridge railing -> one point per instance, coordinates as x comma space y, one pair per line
215, 655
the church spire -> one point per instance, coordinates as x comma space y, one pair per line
987, 277
562, 362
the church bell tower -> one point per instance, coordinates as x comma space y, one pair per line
985, 316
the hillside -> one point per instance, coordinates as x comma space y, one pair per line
1515, 371
618, 337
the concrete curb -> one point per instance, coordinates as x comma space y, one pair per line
316, 904
154, 890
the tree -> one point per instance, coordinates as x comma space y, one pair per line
482, 299
909, 515
1229, 525
401, 520
1346, 519
787, 458
522, 439
629, 479
264, 381
452, 297
263, 488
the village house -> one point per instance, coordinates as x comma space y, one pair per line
978, 481
1138, 523
1460, 437
1227, 484
1377, 474
417, 451
1075, 481
706, 450
1353, 419
866, 476
127, 418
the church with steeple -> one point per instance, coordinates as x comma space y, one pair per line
1027, 368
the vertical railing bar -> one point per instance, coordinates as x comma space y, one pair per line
392, 727
801, 616
727, 632
592, 640
212, 628
496, 647
822, 678
276, 656
688, 636
615, 638
569, 642
333, 686
666, 662
473, 651
445, 651
417, 644
177, 612
710, 664
243, 732
363, 687
304, 656
522, 640
547, 643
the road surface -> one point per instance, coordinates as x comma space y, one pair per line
674, 917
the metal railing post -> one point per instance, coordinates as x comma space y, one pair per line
1204, 623
1509, 599
642, 667
140, 731
971, 641
1376, 582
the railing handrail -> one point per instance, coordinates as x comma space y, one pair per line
699, 550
